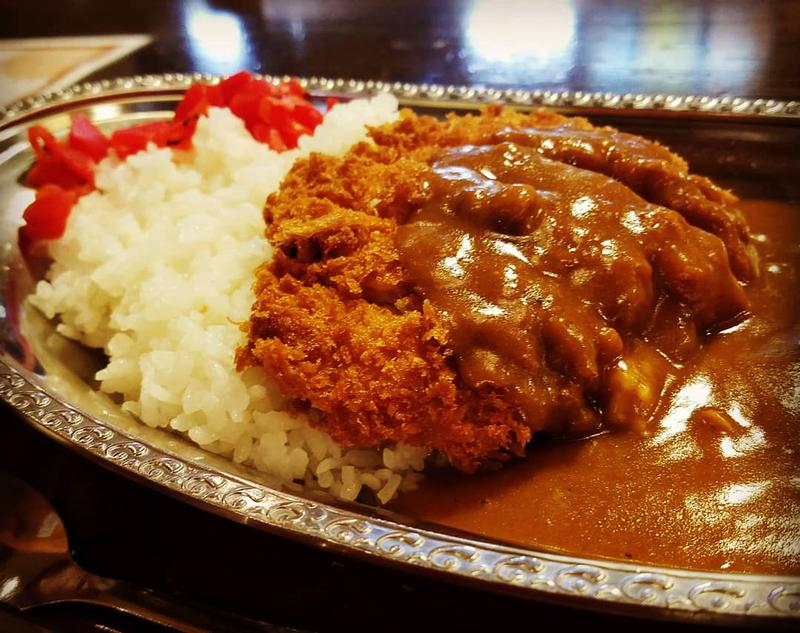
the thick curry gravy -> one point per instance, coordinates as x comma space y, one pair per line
625, 315
695, 491
559, 285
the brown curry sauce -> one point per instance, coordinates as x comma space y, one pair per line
693, 492
559, 286
464, 284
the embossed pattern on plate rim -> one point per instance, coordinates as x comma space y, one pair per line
432, 93
600, 583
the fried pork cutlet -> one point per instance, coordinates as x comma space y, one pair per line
462, 284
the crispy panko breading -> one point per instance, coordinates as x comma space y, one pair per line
336, 321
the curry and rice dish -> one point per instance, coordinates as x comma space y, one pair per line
465, 284
453, 295
462, 284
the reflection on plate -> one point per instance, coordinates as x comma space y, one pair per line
56, 399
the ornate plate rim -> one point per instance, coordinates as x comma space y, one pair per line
596, 584
432, 93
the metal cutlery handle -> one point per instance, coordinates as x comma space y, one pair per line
169, 612
36, 569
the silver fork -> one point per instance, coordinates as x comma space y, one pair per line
36, 569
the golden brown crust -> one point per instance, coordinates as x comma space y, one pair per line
336, 322
376, 375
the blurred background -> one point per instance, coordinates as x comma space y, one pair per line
735, 47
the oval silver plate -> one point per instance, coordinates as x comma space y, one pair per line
67, 410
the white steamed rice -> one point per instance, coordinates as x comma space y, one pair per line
156, 267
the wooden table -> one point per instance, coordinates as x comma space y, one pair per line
731, 47
736, 47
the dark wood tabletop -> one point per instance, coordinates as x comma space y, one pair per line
712, 47
734, 47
